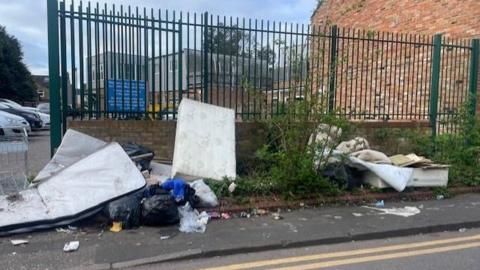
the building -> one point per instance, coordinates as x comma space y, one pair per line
452, 18
396, 78
228, 76
42, 84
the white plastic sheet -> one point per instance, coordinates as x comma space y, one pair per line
192, 221
204, 141
72, 193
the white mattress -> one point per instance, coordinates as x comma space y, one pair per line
78, 190
204, 141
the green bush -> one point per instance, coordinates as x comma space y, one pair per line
287, 161
460, 149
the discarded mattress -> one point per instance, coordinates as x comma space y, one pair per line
75, 146
204, 141
428, 176
396, 177
73, 193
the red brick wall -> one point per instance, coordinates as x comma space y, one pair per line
160, 135
405, 91
454, 18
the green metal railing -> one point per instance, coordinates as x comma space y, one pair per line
131, 63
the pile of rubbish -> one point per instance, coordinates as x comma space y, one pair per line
88, 176
352, 163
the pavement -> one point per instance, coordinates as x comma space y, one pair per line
101, 249
38, 150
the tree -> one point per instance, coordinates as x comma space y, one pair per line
226, 39
16, 82
266, 53
231, 40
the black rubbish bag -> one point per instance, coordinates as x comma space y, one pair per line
160, 209
342, 175
142, 156
126, 209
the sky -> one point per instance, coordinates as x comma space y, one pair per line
27, 19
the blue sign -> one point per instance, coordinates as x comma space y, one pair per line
126, 96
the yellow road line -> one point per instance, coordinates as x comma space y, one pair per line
343, 253
380, 257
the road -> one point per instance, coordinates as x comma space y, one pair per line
452, 250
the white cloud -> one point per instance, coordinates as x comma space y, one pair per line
27, 19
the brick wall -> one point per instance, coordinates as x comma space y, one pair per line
454, 18
160, 135
398, 75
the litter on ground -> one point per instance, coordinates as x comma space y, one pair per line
71, 246
406, 211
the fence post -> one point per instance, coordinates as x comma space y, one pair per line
437, 50
53, 73
332, 68
63, 65
180, 64
205, 57
474, 76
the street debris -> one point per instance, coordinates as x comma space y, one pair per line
116, 227
164, 237
159, 208
17, 242
226, 216
204, 141
62, 230
244, 214
141, 156
191, 220
277, 216
206, 196
75, 146
406, 211
380, 203
73, 193
357, 214
440, 197
71, 246
364, 165
214, 215
232, 187
126, 211
462, 230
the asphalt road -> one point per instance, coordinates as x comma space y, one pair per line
453, 250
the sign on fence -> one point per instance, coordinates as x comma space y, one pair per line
126, 96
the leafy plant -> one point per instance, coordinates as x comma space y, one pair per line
460, 149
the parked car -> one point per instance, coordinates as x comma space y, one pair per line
44, 108
11, 124
33, 119
45, 117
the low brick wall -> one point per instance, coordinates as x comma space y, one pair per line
160, 135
